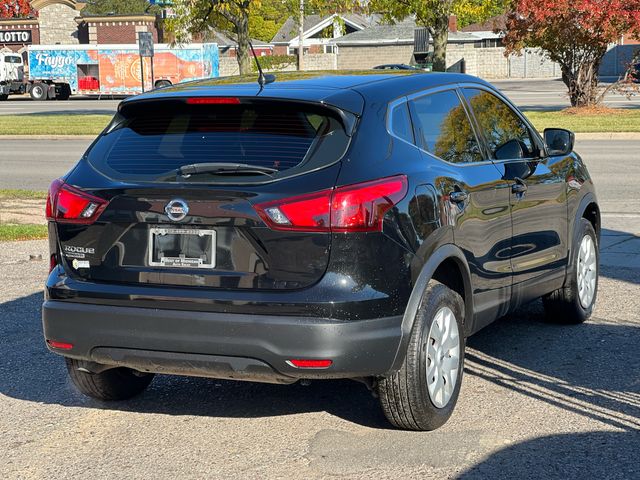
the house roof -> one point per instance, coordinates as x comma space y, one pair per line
399, 33
492, 24
289, 30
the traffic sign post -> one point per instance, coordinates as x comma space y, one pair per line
145, 47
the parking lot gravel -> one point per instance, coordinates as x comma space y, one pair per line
538, 401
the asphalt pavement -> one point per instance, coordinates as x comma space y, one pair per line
528, 94
538, 400
22, 105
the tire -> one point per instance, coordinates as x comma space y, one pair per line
39, 91
64, 92
163, 83
4, 97
114, 384
566, 305
405, 395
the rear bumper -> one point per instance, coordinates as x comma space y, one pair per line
221, 345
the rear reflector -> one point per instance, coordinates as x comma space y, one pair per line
53, 262
353, 208
306, 363
67, 204
60, 345
213, 101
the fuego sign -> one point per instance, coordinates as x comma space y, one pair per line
15, 36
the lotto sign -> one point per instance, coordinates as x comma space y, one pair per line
15, 36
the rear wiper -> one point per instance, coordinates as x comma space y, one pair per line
222, 168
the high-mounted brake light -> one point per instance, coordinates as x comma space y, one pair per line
353, 208
213, 101
67, 204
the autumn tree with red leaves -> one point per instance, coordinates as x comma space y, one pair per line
16, 9
573, 33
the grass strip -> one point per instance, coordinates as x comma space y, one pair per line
622, 120
17, 194
9, 232
35, 124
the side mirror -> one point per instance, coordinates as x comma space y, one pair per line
509, 150
559, 141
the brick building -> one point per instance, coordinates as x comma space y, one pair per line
60, 22
115, 29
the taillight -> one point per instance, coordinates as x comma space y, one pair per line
67, 204
353, 208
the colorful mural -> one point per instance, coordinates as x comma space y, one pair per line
118, 71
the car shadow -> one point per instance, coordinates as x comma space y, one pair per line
571, 456
590, 369
28, 371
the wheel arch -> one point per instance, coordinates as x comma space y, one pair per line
448, 265
589, 210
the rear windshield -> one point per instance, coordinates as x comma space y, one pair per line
152, 143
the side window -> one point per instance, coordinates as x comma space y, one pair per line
401, 122
498, 122
443, 128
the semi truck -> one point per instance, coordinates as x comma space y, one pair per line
59, 71
11, 75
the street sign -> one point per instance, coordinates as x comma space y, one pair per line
145, 44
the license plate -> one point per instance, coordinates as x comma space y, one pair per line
182, 247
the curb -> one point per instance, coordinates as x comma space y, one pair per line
608, 136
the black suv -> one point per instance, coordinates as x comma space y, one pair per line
322, 226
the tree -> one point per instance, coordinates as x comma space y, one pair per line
122, 7
265, 20
476, 11
16, 9
193, 17
573, 33
434, 14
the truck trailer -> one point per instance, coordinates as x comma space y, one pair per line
59, 71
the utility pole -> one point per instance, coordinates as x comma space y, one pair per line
301, 37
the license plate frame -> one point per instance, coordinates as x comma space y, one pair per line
181, 261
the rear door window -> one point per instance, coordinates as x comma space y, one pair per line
443, 128
153, 142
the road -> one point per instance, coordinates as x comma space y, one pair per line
22, 105
538, 400
614, 164
551, 94
539, 94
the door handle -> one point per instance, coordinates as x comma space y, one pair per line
458, 196
519, 186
